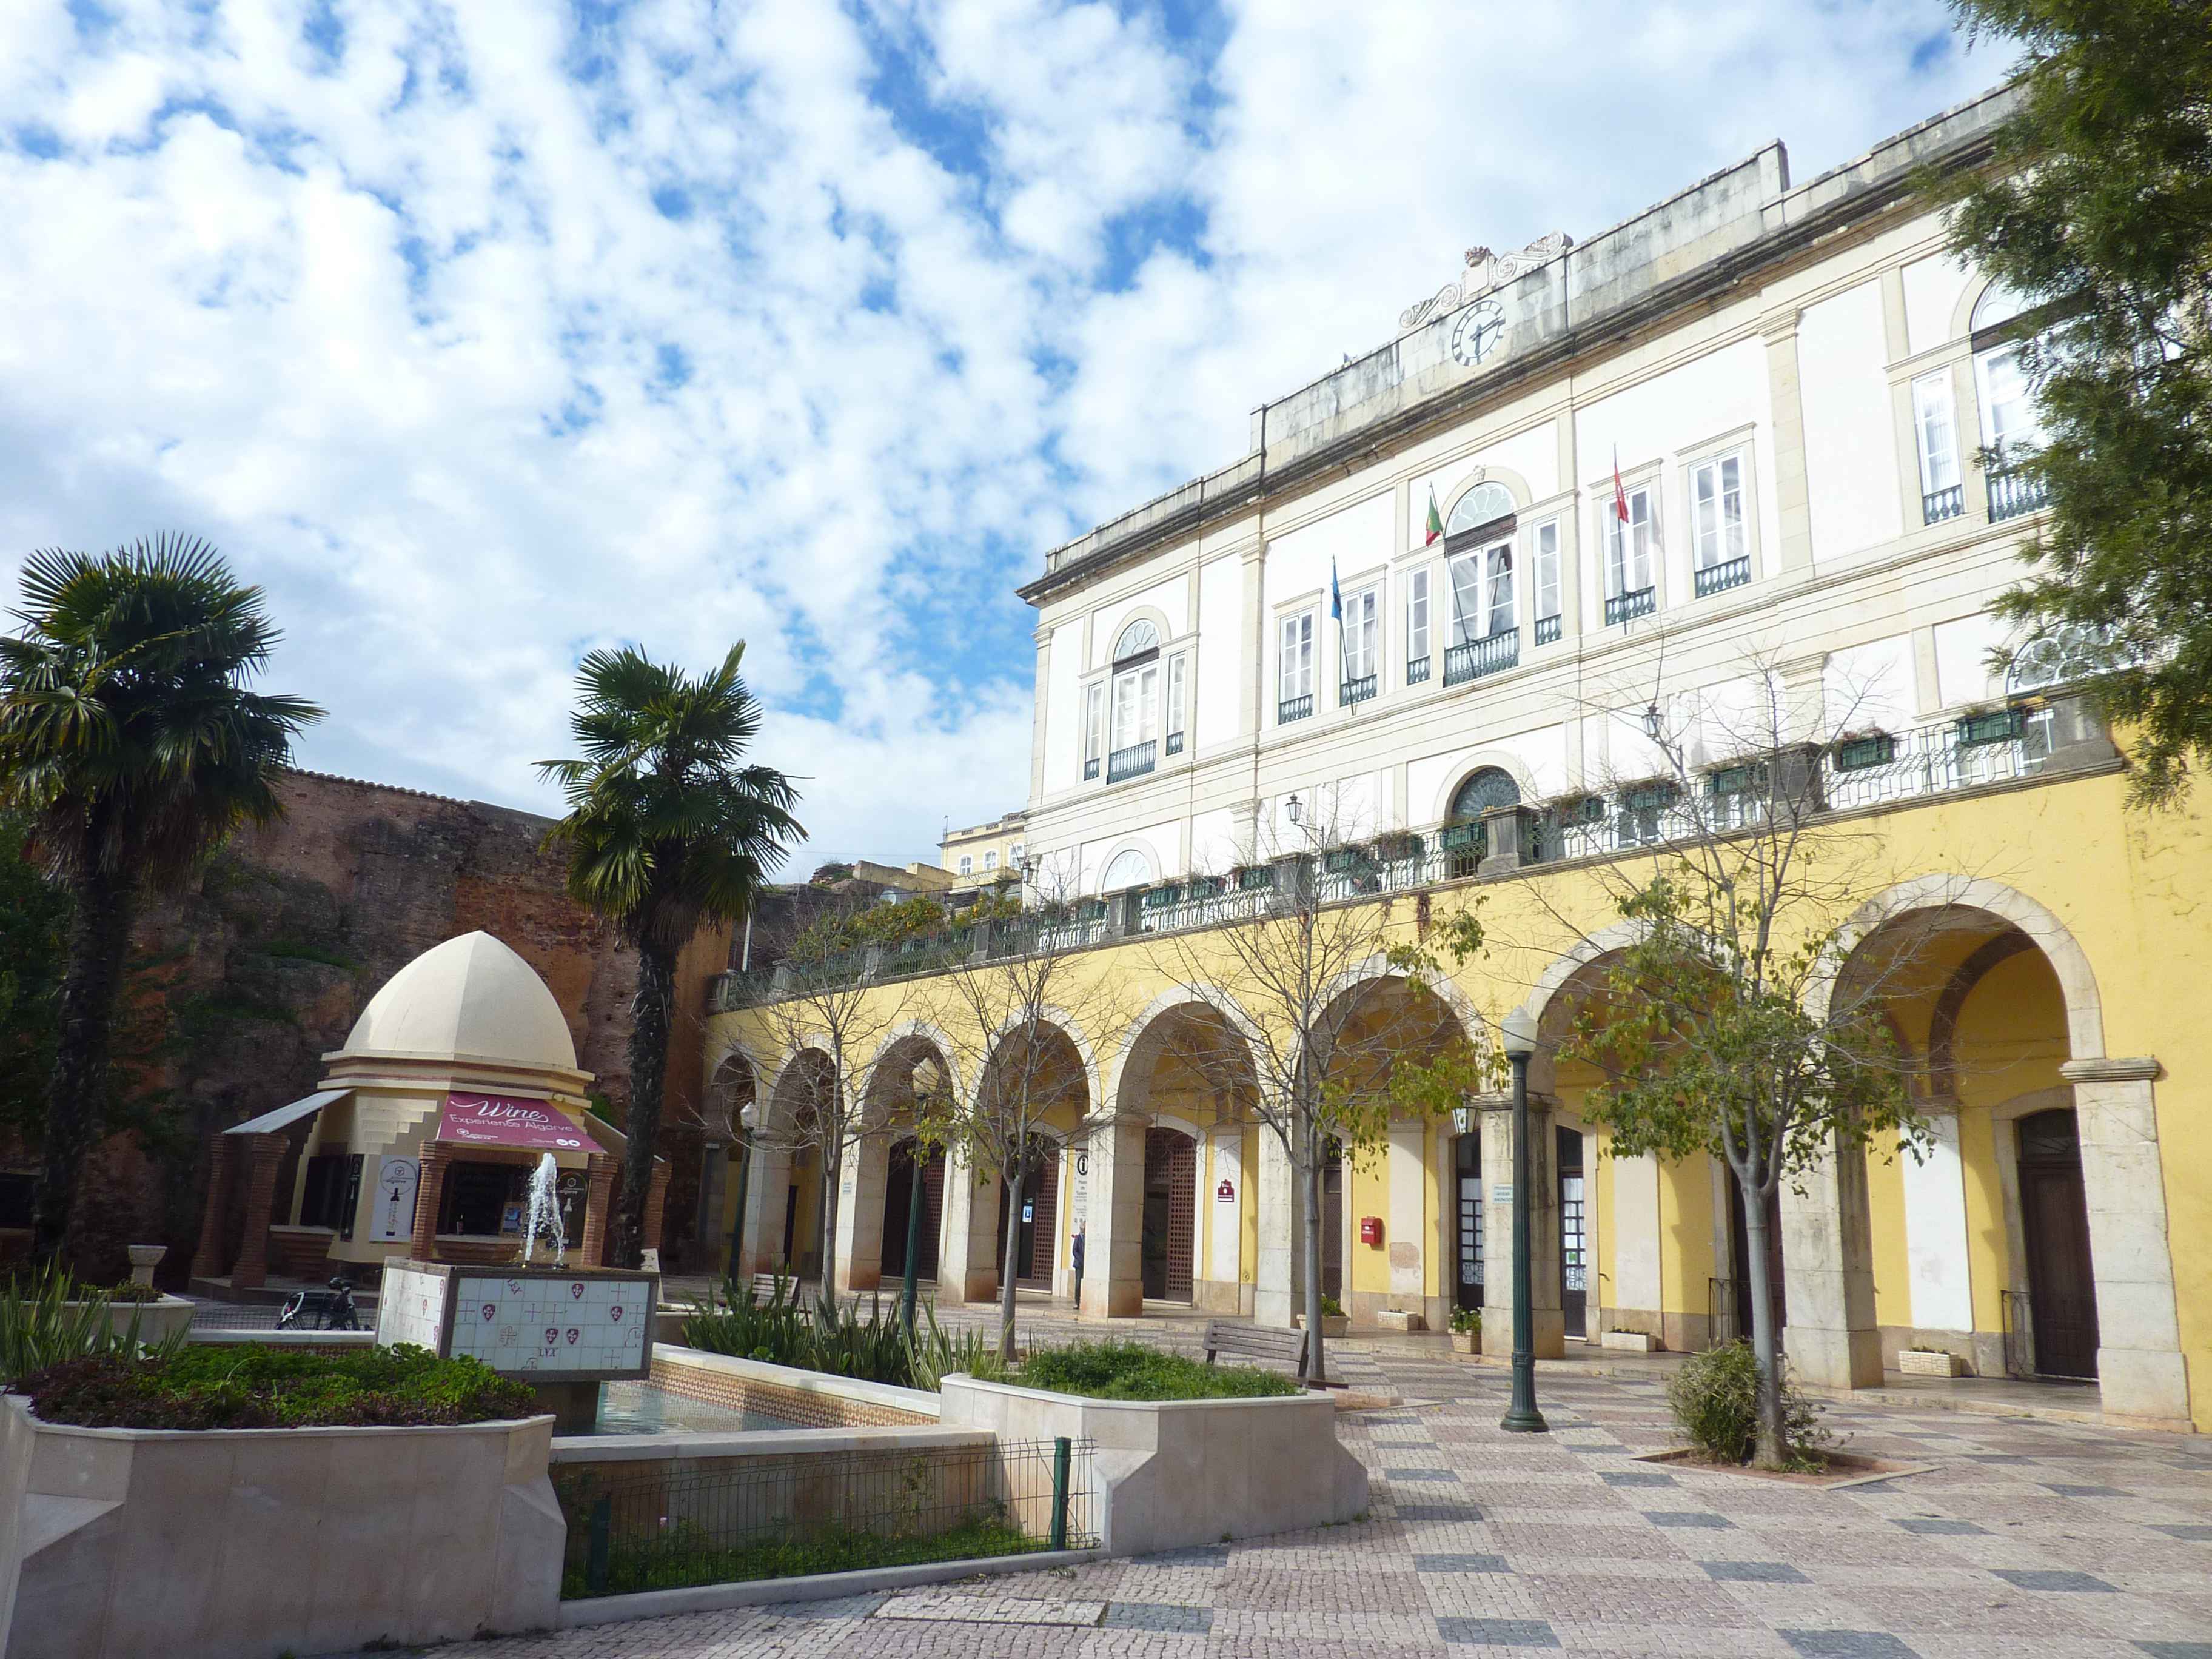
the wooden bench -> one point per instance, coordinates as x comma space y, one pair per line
794, 1289
1241, 1342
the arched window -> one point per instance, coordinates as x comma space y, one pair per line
1484, 504
1489, 786
1130, 869
1139, 637
1999, 304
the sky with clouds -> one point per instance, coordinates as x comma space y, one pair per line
484, 333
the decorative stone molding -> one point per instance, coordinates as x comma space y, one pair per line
2144, 1070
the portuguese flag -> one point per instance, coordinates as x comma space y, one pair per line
1436, 520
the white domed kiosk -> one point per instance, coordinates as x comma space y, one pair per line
458, 1077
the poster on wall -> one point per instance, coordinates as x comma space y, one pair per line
395, 1200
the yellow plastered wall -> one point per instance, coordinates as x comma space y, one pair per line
1367, 1192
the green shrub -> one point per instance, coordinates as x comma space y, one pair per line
835, 1337
1466, 1321
219, 1385
48, 1318
1131, 1371
1331, 1308
1715, 1398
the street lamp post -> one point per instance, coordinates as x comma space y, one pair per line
1518, 1031
915, 1193
747, 1117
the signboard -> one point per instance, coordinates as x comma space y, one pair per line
1226, 1192
393, 1219
1501, 1194
544, 1323
503, 1120
1078, 1203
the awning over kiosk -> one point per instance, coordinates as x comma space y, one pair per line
285, 1116
506, 1121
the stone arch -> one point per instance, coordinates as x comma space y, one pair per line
1944, 1025
1505, 483
868, 1210
1146, 613
1129, 849
1479, 759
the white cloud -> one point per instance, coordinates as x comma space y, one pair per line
494, 337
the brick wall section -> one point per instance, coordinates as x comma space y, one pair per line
807, 1409
241, 986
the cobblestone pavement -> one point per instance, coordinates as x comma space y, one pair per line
2025, 1537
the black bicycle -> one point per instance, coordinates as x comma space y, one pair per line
321, 1310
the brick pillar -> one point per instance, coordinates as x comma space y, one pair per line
599, 1199
430, 1198
207, 1260
265, 1154
656, 1199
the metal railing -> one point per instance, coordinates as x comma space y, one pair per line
1937, 505
1131, 763
1627, 607
1293, 708
775, 1517
1719, 578
1547, 630
1417, 671
1859, 770
1090, 768
2012, 494
1475, 658
1358, 690
1175, 743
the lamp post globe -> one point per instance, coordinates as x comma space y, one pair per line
1517, 1036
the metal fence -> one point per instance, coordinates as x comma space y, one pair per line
666, 1526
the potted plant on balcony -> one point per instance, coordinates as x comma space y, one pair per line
1863, 746
1466, 1330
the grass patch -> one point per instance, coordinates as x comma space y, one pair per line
684, 1556
1131, 1371
220, 1387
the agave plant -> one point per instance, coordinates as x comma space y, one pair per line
50, 1318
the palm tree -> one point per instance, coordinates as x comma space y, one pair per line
129, 740
666, 832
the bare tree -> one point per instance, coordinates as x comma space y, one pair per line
1305, 914
1001, 1007
1720, 1026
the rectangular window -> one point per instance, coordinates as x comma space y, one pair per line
1294, 665
1094, 728
1014, 854
1363, 628
1177, 670
991, 860
1547, 570
1417, 617
2009, 419
967, 864
1137, 705
1501, 590
1938, 434
1466, 572
1717, 511
1628, 547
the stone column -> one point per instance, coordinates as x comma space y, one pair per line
1508, 833
860, 1214
207, 1260
2140, 1373
768, 1189
1546, 1313
1113, 1248
656, 1204
1828, 1254
430, 1198
265, 1153
967, 1262
599, 1170
1792, 496
1282, 1238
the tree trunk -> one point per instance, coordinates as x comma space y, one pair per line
1772, 1450
1007, 1264
648, 1068
1316, 1360
100, 933
833, 1180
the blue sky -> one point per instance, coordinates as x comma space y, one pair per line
482, 334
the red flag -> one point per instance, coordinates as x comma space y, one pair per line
1619, 495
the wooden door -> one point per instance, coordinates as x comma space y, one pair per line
1171, 1223
2061, 1293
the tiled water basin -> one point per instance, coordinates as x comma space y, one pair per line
641, 1408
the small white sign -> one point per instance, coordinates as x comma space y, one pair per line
394, 1216
1501, 1194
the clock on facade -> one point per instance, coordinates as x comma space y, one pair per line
1478, 331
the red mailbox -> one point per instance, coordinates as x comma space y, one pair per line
1370, 1230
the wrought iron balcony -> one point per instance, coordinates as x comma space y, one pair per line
1719, 578
1547, 630
2012, 494
1417, 671
1937, 505
1091, 768
1175, 743
1472, 660
1357, 691
1131, 763
1627, 607
1293, 708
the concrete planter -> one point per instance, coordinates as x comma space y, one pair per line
1467, 1342
1401, 1319
1914, 1362
248, 1543
1332, 1325
1171, 1473
157, 1320
1628, 1341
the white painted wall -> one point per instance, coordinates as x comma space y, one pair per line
1635, 1234
1222, 1238
1962, 648
1163, 841
1357, 538
1171, 597
1851, 441
1869, 685
1215, 845
1731, 717
1063, 711
1221, 665
1936, 1230
1933, 287
1533, 454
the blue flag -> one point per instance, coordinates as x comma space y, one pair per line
1335, 594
